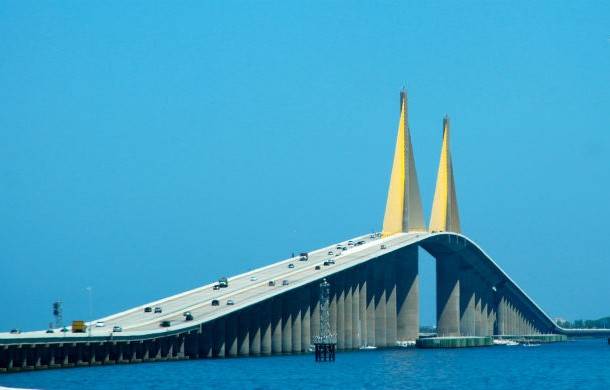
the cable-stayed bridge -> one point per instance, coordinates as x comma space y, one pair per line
374, 299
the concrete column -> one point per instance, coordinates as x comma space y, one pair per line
255, 330
478, 314
347, 310
362, 302
219, 337
305, 318
484, 314
232, 325
380, 302
340, 295
467, 302
501, 316
296, 321
266, 329
332, 307
370, 304
206, 340
447, 296
243, 332
407, 294
355, 280
314, 319
276, 325
390, 297
286, 323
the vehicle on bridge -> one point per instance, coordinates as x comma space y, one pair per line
165, 324
303, 256
147, 309
158, 310
215, 302
223, 282
117, 328
78, 326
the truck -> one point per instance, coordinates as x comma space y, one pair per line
223, 282
78, 326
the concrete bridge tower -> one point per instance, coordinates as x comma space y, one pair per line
403, 214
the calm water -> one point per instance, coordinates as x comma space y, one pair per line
583, 364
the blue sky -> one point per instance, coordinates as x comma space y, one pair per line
150, 147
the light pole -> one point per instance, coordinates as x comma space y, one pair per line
89, 289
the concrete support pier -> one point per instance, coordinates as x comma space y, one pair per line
447, 296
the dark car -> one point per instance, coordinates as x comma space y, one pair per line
317, 267
216, 287
147, 309
290, 265
165, 324
271, 283
327, 263
64, 330
158, 310
15, 331
285, 282
188, 317
50, 331
215, 302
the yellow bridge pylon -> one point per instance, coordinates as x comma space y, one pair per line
445, 216
403, 211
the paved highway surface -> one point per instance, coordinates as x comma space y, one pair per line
243, 290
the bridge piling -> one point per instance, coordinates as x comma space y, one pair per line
467, 302
407, 295
266, 326
286, 319
255, 330
296, 322
243, 335
363, 305
276, 324
355, 284
447, 296
370, 306
347, 310
390, 296
380, 302
304, 301
339, 296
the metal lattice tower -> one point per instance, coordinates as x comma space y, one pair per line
326, 341
58, 314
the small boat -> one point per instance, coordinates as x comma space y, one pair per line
530, 345
406, 343
368, 347
505, 342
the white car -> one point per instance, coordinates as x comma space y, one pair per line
252, 278
330, 253
99, 324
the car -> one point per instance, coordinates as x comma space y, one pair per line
290, 265
15, 331
326, 263
330, 253
186, 313
285, 282
99, 324
158, 310
317, 267
230, 302
350, 243
50, 331
117, 328
188, 317
216, 287
253, 278
339, 246
147, 309
303, 256
215, 302
344, 248
271, 283
360, 242
223, 282
64, 330
165, 324
372, 236
383, 246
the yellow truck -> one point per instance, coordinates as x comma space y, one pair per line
78, 326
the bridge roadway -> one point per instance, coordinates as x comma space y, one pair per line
137, 324
242, 290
